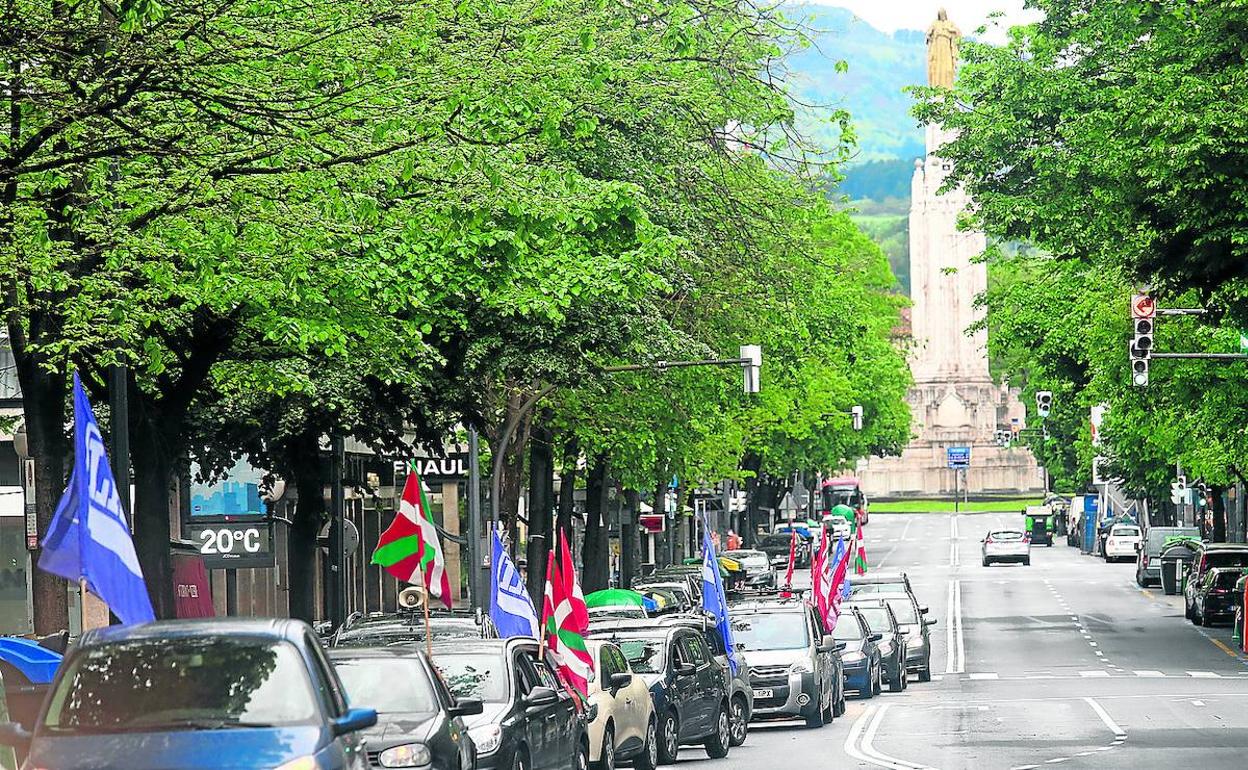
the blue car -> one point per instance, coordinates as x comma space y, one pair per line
861, 654
236, 694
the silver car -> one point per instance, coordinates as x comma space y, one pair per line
1005, 545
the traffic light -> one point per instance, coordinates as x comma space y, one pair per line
1141, 350
856, 414
1044, 402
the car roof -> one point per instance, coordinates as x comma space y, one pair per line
637, 631
287, 629
872, 600
776, 604
481, 646
894, 595
879, 577
1225, 546
353, 653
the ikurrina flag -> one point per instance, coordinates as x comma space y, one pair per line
409, 547
860, 564
565, 619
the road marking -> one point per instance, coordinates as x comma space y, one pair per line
864, 729
984, 676
1094, 644
1204, 675
1093, 674
1149, 674
1200, 704
1119, 733
1055, 760
1100, 654
1222, 646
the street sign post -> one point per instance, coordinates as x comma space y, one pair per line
959, 459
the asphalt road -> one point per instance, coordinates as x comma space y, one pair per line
1066, 663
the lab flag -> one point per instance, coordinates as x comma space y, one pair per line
714, 602
511, 609
88, 538
409, 548
565, 619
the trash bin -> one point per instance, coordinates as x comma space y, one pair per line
1170, 576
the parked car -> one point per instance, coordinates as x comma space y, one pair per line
758, 570
529, 721
880, 583
1214, 598
864, 669
736, 672
1148, 558
1122, 542
223, 694
915, 623
777, 548
805, 539
690, 574
677, 587
686, 686
880, 620
795, 667
1205, 557
419, 722
618, 612
1007, 545
378, 629
837, 527
624, 727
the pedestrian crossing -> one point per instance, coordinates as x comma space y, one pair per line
981, 676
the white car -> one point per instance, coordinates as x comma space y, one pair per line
624, 726
1122, 542
837, 527
1007, 545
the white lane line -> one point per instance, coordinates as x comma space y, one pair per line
1149, 674
1200, 704
1204, 675
1093, 674
864, 729
868, 743
951, 652
957, 600
984, 676
1119, 733
1055, 760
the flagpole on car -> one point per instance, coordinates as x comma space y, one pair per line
424, 584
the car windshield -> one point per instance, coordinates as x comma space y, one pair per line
847, 628
389, 685
182, 684
405, 632
1231, 559
1126, 532
482, 676
776, 541
645, 656
903, 610
602, 613
878, 588
1005, 535
877, 619
1227, 579
771, 631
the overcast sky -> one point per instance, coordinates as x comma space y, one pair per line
890, 15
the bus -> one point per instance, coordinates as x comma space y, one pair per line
843, 490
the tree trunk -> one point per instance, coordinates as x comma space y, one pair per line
304, 460
43, 406
1219, 514
567, 486
153, 473
628, 538
541, 501
595, 556
752, 463
664, 557
511, 481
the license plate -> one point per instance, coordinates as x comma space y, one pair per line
763, 694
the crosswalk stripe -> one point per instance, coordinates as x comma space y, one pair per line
1149, 674
1204, 674
984, 676
1093, 674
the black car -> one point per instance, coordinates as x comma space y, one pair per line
864, 669
419, 722
892, 645
1214, 599
529, 721
687, 685
379, 629
777, 548
914, 622
759, 572
1208, 557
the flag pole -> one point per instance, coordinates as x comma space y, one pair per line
541, 632
424, 584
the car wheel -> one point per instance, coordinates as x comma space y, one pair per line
669, 739
606, 760
879, 680
648, 759
897, 683
521, 760
582, 756
721, 738
1205, 620
740, 724
838, 708
925, 673
986, 562
1027, 562
815, 720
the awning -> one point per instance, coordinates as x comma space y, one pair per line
12, 503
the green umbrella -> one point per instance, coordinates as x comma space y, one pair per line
615, 597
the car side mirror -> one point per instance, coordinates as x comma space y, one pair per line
839, 646
827, 644
540, 696
14, 735
875, 637
685, 669
621, 679
354, 720
923, 610
466, 707
591, 713
929, 621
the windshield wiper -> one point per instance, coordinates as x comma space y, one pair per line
198, 724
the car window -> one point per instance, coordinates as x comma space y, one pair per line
697, 650
847, 629
1227, 579
1231, 559
618, 663
1006, 535
878, 588
326, 683
476, 675
178, 684
877, 619
606, 664
771, 631
389, 685
645, 656
714, 642
903, 609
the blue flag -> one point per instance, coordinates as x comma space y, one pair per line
713, 599
511, 609
88, 537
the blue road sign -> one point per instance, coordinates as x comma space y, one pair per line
958, 456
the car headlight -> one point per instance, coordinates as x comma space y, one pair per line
487, 738
302, 763
853, 657
405, 755
801, 667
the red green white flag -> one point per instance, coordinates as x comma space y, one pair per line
409, 548
860, 564
565, 620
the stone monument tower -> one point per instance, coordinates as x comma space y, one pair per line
954, 401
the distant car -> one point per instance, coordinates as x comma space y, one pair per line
690, 574
892, 644
676, 586
837, 527
230, 694
419, 721
1007, 545
759, 572
864, 668
379, 629
1208, 556
1122, 542
529, 722
795, 667
914, 622
621, 612
624, 727
740, 693
1215, 599
777, 549
880, 583
686, 686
